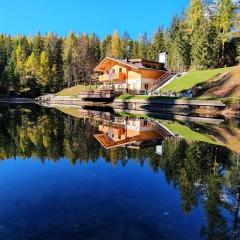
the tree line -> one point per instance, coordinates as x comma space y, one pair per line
206, 35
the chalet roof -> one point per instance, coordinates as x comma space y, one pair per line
135, 64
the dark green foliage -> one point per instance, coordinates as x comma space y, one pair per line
157, 46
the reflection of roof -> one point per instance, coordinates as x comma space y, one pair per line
109, 143
135, 64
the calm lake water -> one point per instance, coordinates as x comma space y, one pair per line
81, 174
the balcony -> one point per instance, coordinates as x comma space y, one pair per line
113, 77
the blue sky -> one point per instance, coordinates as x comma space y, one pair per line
99, 16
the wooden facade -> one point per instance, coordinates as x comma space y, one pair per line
138, 74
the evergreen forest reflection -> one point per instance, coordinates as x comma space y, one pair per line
203, 172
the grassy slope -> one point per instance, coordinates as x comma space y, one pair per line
72, 91
193, 78
188, 133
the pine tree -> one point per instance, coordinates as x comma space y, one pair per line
49, 46
143, 44
69, 44
38, 46
206, 47
126, 45
57, 67
115, 45
196, 25
31, 72
224, 22
158, 45
178, 45
195, 16
21, 58
44, 70
105, 47
135, 51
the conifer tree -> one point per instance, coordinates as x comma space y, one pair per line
143, 44
105, 47
135, 51
44, 70
196, 29
179, 47
195, 16
224, 22
115, 45
69, 44
57, 67
126, 45
157, 46
30, 77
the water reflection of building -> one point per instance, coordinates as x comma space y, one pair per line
132, 133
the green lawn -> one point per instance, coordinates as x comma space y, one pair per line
73, 91
188, 133
193, 78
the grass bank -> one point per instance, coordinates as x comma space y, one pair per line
74, 91
193, 78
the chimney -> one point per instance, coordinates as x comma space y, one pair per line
127, 59
163, 59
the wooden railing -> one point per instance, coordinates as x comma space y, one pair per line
116, 76
162, 80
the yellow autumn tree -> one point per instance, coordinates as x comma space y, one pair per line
115, 45
44, 71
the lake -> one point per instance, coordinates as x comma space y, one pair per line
69, 173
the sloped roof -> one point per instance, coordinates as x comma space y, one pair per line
132, 64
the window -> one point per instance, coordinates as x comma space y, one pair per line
113, 70
120, 70
146, 86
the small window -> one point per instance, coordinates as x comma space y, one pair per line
120, 70
113, 70
146, 86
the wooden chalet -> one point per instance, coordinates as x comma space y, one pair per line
129, 74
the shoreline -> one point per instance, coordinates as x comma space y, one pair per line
184, 107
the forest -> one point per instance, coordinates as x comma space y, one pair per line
206, 35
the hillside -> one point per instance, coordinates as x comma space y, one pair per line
222, 83
75, 90
193, 78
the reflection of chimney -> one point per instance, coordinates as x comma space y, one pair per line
127, 59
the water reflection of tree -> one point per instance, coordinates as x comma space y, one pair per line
200, 171
209, 174
46, 135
